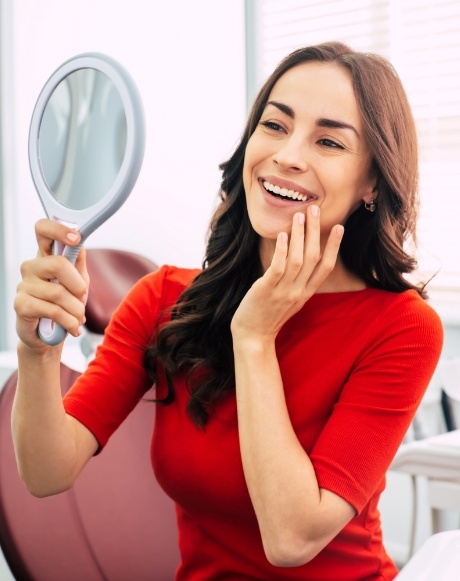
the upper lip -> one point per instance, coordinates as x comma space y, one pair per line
288, 185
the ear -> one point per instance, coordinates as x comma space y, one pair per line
371, 191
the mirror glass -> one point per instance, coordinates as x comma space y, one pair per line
82, 138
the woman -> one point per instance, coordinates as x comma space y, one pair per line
290, 367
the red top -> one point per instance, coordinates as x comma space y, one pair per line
355, 366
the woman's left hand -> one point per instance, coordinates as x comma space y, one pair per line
296, 271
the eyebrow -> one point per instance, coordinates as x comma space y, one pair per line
321, 122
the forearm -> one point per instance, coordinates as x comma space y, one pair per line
45, 440
280, 477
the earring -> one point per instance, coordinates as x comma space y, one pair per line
370, 206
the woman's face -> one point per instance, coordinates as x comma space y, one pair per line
308, 148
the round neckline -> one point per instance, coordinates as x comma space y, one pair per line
343, 292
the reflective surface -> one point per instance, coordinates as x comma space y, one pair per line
82, 138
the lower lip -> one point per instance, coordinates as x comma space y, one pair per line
281, 202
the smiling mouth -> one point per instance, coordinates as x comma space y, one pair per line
285, 194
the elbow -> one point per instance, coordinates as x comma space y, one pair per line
44, 492
291, 552
42, 489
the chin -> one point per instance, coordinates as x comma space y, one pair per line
269, 227
270, 233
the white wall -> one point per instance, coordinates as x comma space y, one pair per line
188, 60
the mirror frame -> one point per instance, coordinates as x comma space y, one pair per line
88, 219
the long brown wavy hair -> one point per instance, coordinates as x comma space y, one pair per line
196, 341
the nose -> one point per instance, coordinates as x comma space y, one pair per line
292, 155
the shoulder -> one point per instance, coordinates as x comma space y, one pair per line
405, 308
153, 294
374, 308
404, 323
168, 282
381, 318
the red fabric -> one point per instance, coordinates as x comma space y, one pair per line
355, 366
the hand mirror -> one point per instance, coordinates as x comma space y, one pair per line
86, 146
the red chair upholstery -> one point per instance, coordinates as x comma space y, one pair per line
115, 524
112, 273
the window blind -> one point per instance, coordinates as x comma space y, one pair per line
422, 40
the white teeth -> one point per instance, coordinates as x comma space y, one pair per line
284, 192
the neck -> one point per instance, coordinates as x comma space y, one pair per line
341, 280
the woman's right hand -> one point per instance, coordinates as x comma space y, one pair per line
37, 297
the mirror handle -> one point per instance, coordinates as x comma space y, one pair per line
50, 332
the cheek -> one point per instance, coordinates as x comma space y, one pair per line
348, 181
338, 186
344, 190
361, 173
246, 177
248, 165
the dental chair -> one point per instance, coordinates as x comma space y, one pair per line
115, 524
436, 460
437, 560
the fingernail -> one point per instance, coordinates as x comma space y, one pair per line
283, 237
301, 218
314, 211
73, 236
339, 230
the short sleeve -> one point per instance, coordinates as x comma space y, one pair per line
115, 379
378, 401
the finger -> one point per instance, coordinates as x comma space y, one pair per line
312, 247
328, 259
48, 231
81, 267
277, 267
295, 258
30, 310
55, 293
48, 268
52, 297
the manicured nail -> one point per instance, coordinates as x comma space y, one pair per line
314, 211
283, 237
339, 230
301, 218
73, 236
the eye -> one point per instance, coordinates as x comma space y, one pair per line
271, 125
329, 143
